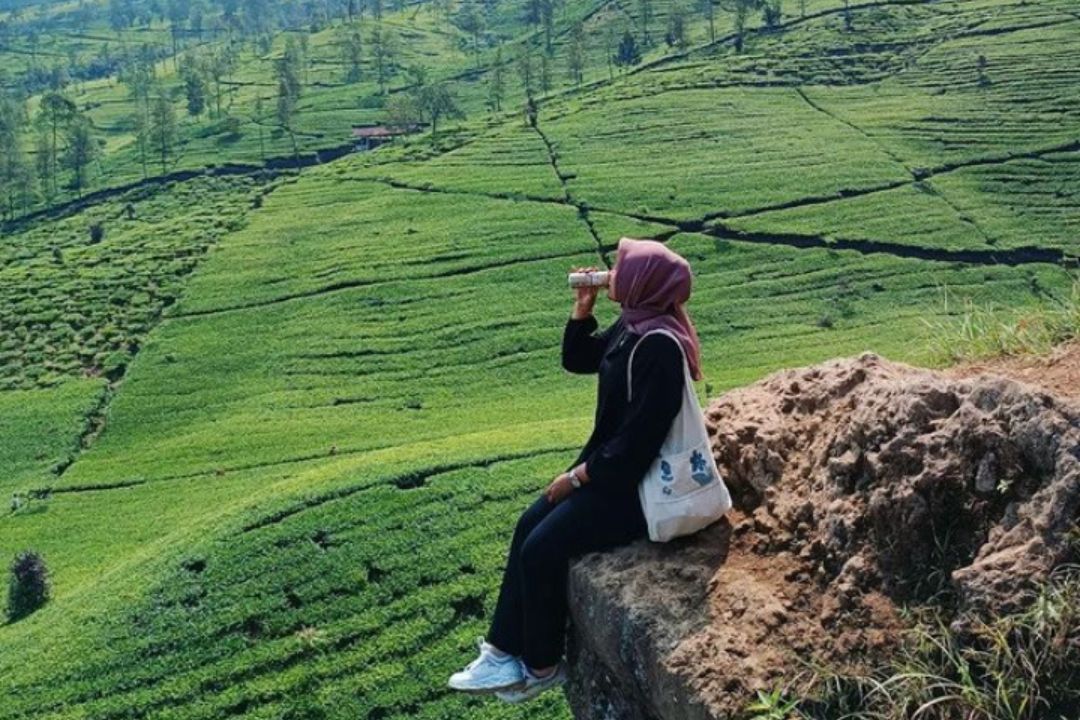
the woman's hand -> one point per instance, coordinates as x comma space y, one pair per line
584, 296
559, 488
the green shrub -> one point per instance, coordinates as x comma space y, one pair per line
28, 588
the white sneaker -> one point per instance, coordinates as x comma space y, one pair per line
533, 685
488, 673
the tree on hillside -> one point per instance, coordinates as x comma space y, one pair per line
16, 172
43, 165
545, 73
708, 9
628, 53
547, 19
352, 52
162, 131
471, 22
121, 14
194, 89
197, 18
293, 61
742, 9
771, 12
645, 11
217, 66
82, 150
302, 50
288, 95
609, 49
258, 119
178, 12
496, 83
525, 70
676, 26
403, 111
430, 101
384, 51
532, 12
54, 114
575, 55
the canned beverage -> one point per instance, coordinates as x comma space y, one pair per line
597, 278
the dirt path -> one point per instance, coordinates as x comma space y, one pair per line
1057, 373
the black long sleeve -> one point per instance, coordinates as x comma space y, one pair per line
658, 379
581, 349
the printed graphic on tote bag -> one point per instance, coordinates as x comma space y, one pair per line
666, 476
700, 469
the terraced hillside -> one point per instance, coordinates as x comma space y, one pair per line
271, 435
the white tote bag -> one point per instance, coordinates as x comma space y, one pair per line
682, 490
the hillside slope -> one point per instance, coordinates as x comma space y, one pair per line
284, 485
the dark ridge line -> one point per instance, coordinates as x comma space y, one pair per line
841, 194
272, 168
1002, 31
409, 478
91, 488
582, 208
352, 284
896, 158
963, 217
924, 174
1012, 257
877, 143
513, 197
93, 423
684, 225
1068, 146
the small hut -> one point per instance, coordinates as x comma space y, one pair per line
367, 137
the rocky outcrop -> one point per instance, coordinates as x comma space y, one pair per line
860, 484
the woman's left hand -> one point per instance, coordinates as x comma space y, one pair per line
559, 488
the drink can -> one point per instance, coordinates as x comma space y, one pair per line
597, 278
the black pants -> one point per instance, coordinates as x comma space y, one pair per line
530, 617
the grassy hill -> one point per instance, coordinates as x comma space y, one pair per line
274, 430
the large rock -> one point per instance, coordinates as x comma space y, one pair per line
859, 484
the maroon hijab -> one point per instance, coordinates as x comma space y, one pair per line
651, 283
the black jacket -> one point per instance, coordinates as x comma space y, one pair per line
626, 438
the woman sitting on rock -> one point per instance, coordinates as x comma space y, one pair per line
594, 505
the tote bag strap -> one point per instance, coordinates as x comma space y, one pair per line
630, 362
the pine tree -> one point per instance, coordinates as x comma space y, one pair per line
497, 84
353, 55
628, 53
162, 130
54, 114
194, 90
676, 27
709, 10
575, 55
16, 173
82, 149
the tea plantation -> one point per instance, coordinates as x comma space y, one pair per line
271, 431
